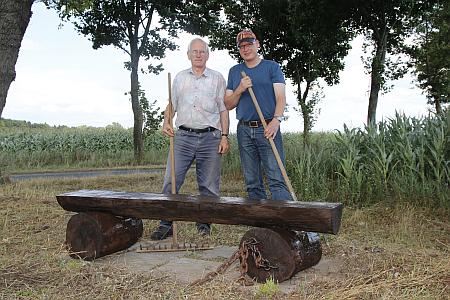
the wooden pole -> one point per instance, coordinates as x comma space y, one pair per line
172, 159
272, 144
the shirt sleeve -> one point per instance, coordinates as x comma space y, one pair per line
175, 86
230, 80
221, 93
277, 75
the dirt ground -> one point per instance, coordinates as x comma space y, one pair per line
384, 251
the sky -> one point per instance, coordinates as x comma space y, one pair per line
61, 80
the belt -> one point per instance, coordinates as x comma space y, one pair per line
207, 129
254, 124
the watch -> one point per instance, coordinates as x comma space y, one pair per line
279, 118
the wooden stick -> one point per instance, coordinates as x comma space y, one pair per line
272, 144
172, 159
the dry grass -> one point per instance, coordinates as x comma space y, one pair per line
382, 252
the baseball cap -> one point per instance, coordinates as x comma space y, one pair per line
245, 35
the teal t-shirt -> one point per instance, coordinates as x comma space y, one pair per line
263, 76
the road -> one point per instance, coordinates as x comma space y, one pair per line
78, 174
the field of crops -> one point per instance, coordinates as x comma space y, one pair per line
402, 160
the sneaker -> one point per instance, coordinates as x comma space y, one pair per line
204, 230
161, 233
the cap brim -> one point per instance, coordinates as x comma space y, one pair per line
250, 40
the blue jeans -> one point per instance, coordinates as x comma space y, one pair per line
257, 157
201, 147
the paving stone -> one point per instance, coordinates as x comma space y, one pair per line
188, 266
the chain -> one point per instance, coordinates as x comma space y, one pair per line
242, 253
260, 262
220, 270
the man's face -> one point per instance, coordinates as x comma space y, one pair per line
248, 51
198, 54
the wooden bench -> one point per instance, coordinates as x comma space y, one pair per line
110, 221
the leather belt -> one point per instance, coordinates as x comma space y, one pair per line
207, 129
254, 124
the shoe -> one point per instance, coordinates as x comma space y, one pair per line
204, 230
161, 233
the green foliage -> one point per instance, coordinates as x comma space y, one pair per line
269, 288
151, 114
401, 160
140, 28
386, 26
306, 37
35, 148
431, 55
7, 123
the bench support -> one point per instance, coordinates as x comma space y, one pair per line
277, 253
92, 235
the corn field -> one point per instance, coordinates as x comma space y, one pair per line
403, 159
25, 148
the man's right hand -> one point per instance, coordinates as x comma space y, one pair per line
246, 82
167, 130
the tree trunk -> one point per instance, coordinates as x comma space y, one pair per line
376, 79
301, 99
138, 141
14, 18
437, 105
133, 32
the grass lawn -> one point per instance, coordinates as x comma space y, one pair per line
395, 252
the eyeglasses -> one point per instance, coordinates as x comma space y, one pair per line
197, 52
245, 47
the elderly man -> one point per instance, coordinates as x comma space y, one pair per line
202, 135
254, 148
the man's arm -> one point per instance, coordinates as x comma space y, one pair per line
280, 98
225, 123
232, 97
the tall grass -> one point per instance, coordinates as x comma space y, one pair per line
402, 159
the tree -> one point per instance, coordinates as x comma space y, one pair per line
127, 25
14, 18
151, 117
306, 37
138, 28
431, 55
316, 45
385, 25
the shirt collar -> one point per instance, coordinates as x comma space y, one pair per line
206, 72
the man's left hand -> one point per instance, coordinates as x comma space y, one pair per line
272, 128
224, 145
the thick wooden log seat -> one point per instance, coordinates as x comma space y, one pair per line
291, 215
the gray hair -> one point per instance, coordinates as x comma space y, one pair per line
198, 40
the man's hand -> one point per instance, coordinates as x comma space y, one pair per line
224, 145
246, 82
272, 128
167, 130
